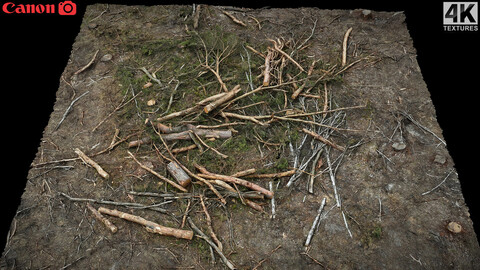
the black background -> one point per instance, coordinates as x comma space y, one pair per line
35, 49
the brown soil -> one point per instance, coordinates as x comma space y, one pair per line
394, 221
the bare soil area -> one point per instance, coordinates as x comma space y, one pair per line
392, 197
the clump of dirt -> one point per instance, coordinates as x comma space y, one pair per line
344, 118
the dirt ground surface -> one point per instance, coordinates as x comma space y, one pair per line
393, 198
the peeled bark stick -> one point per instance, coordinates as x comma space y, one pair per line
235, 180
298, 91
315, 223
179, 174
88, 65
150, 226
266, 73
177, 114
89, 161
243, 117
345, 43
103, 219
184, 149
311, 177
323, 140
272, 175
229, 95
157, 174
137, 143
244, 173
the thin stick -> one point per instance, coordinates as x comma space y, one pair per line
345, 43
151, 76
315, 222
219, 126
346, 225
235, 193
422, 127
150, 226
323, 140
215, 247
67, 111
121, 105
235, 20
255, 51
103, 219
272, 175
311, 178
243, 117
314, 123
185, 214
125, 204
234, 180
208, 146
272, 201
88, 65
209, 224
92, 163
157, 174
332, 178
325, 111
437, 186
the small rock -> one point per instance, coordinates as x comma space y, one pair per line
389, 188
367, 14
399, 146
107, 57
92, 25
147, 85
454, 227
440, 159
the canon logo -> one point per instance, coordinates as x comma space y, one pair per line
64, 8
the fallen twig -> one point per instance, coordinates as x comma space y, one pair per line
151, 76
229, 95
266, 72
443, 181
67, 111
235, 20
345, 43
208, 146
149, 225
125, 204
215, 247
103, 219
92, 163
87, 65
315, 222
323, 140
121, 105
243, 117
209, 224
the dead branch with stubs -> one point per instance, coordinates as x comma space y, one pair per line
150, 226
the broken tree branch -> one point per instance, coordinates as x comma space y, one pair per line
87, 65
149, 225
92, 163
229, 95
272, 175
